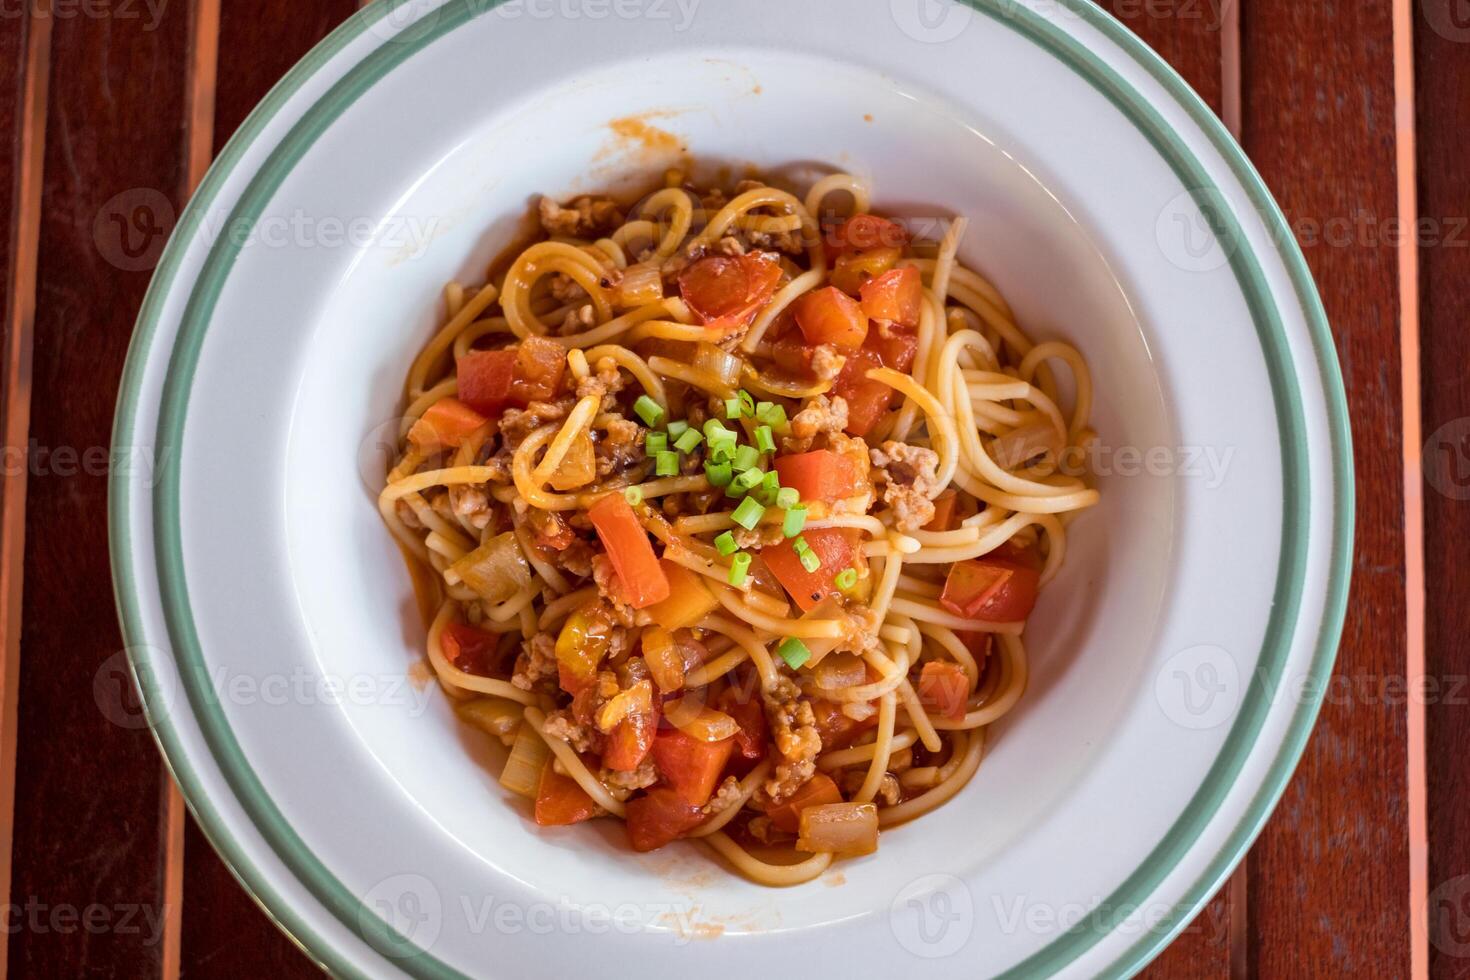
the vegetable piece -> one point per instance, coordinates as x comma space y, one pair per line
497, 716
633, 495
837, 729
845, 580
787, 497
560, 801
666, 463
655, 442
580, 647
818, 475
769, 413
719, 474
811, 562
718, 363
726, 292
840, 670
944, 512
658, 817
725, 544
691, 767
889, 346
541, 364
830, 316
739, 569
677, 428
664, 658
689, 601
496, 570
648, 410
850, 273
794, 652
698, 720
528, 756
746, 457
765, 440
896, 296
689, 441
485, 377
1024, 443
643, 580
750, 740
631, 739
1000, 587
849, 829
794, 521
578, 466
747, 480
944, 689
865, 231
472, 650
833, 546
749, 513
817, 791
640, 285
444, 425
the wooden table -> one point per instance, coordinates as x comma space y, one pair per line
1357, 113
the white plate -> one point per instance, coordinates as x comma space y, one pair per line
1178, 662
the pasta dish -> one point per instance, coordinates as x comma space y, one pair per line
727, 514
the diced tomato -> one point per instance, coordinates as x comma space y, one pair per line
944, 688
689, 601
725, 292
573, 683
833, 546
445, 425
473, 651
896, 346
658, 817
692, 767
585, 699
864, 231
977, 643
629, 742
830, 316
944, 511
851, 272
836, 728
818, 475
485, 378
746, 709
896, 296
998, 588
817, 791
867, 400
491, 380
643, 580
560, 801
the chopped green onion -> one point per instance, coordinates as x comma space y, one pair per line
648, 410
747, 403
787, 498
794, 652
633, 495
739, 568
725, 545
770, 486
794, 521
747, 480
844, 579
712, 428
800, 546
748, 514
769, 413
732, 408
723, 448
688, 442
678, 428
746, 457
666, 463
764, 441
719, 474
810, 561
656, 442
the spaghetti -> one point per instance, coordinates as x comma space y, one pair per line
728, 516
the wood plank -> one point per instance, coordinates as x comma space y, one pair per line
1329, 876
1442, 64
224, 932
25, 51
90, 794
1188, 34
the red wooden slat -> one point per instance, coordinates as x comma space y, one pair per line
1187, 34
90, 794
1442, 50
1329, 877
224, 932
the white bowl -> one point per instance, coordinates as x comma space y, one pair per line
1178, 661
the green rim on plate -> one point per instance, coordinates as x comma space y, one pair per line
204, 293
